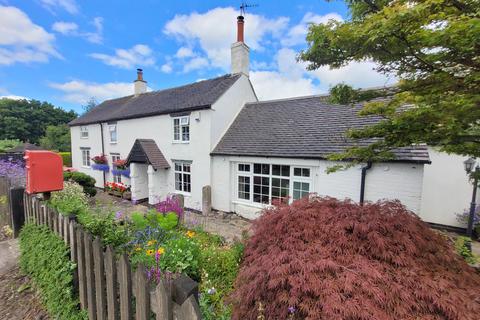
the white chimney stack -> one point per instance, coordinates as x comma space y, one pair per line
140, 85
240, 51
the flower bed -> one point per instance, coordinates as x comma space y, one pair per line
116, 188
165, 247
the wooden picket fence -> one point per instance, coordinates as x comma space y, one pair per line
106, 283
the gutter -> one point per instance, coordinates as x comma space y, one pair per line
362, 181
103, 153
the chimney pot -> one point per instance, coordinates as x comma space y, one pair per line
140, 74
240, 29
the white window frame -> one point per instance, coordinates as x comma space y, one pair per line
183, 173
117, 178
250, 173
83, 132
183, 122
112, 127
86, 161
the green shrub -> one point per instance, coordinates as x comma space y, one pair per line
181, 255
154, 219
101, 222
462, 245
70, 200
45, 258
86, 181
7, 144
66, 158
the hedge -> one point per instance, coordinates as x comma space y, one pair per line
45, 258
86, 181
66, 158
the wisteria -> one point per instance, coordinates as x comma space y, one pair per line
14, 171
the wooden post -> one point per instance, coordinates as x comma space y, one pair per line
163, 294
189, 310
89, 276
66, 230
82, 283
99, 279
142, 294
111, 283
73, 251
54, 222
125, 281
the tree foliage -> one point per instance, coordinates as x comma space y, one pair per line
27, 120
91, 103
433, 46
330, 259
56, 138
7, 144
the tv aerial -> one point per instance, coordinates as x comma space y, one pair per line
244, 6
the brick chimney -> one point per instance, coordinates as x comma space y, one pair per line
240, 51
140, 85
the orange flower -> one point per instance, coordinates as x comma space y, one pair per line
160, 251
190, 234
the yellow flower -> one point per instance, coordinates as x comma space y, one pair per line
190, 234
149, 252
137, 248
151, 242
161, 250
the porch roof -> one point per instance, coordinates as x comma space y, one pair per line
147, 151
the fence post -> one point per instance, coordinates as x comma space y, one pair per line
163, 293
111, 283
82, 290
142, 294
17, 210
125, 281
66, 229
99, 279
89, 276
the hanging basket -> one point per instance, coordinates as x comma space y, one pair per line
100, 167
123, 172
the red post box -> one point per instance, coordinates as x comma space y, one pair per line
44, 171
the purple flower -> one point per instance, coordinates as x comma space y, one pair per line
291, 310
119, 215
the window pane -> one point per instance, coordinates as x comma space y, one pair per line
275, 182
186, 167
261, 189
244, 187
257, 168
286, 171
306, 172
186, 133
178, 167
275, 170
244, 167
297, 172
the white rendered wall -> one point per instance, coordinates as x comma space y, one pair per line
446, 189
94, 143
400, 181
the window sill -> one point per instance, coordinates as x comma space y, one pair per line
84, 138
180, 142
251, 204
183, 193
85, 167
113, 142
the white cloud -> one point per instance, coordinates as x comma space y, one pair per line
21, 40
138, 55
72, 29
166, 68
78, 91
184, 52
290, 78
296, 35
65, 28
13, 97
68, 5
195, 64
203, 30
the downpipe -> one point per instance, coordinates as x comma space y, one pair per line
362, 181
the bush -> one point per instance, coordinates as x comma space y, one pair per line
330, 259
66, 158
45, 258
86, 181
154, 219
70, 200
102, 223
462, 245
7, 144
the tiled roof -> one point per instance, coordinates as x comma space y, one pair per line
147, 151
304, 127
195, 96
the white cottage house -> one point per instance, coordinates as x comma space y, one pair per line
215, 133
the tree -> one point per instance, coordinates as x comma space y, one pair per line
91, 103
27, 120
432, 46
56, 138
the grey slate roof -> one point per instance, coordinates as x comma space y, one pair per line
195, 96
304, 127
147, 151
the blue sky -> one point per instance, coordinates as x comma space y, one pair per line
66, 51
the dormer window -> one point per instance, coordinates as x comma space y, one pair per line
84, 132
181, 129
112, 130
